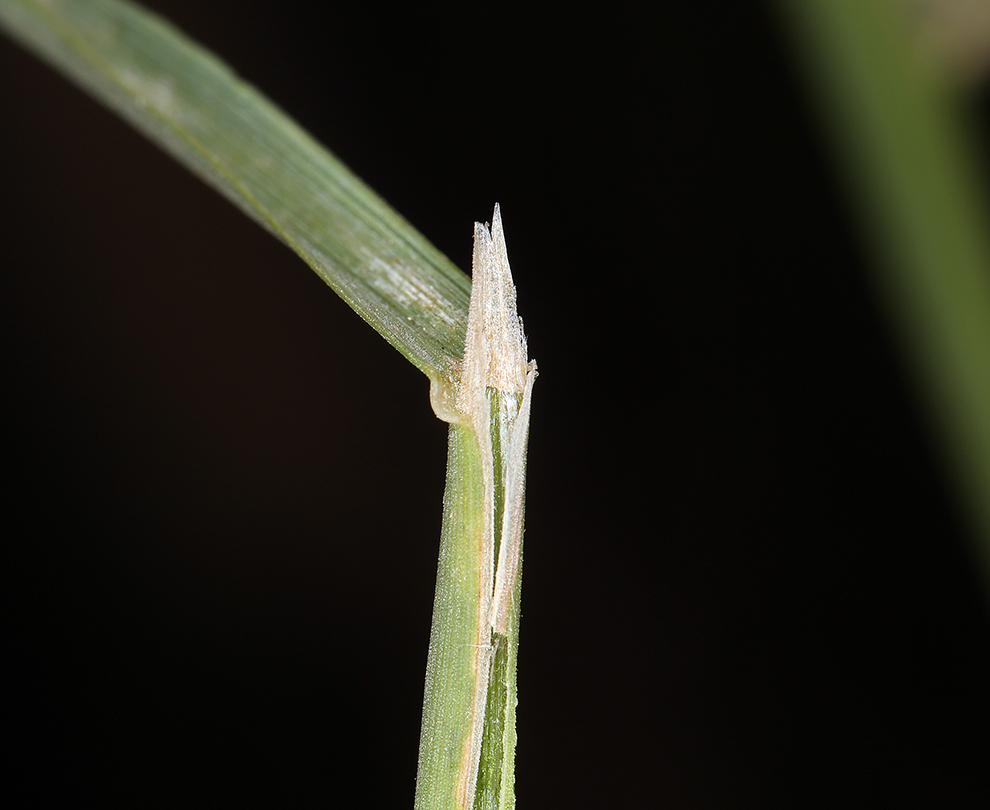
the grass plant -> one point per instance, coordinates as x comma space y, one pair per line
466, 339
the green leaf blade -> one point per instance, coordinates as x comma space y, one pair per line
197, 109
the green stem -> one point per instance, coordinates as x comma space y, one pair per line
467, 750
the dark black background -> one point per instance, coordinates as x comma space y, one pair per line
746, 580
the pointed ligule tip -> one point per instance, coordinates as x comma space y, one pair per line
495, 351
479, 257
501, 255
498, 235
481, 234
507, 346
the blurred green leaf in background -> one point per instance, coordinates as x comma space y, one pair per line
887, 76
